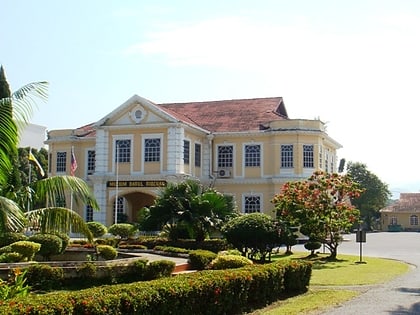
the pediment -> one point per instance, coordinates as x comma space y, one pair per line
136, 111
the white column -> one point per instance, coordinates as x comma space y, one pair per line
175, 159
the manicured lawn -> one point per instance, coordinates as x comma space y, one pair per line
345, 271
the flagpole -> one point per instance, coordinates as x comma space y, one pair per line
71, 166
29, 184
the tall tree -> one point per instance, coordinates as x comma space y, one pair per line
319, 205
50, 217
375, 196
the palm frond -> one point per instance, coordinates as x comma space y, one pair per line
11, 216
58, 219
49, 190
24, 99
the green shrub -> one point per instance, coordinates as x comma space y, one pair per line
297, 276
50, 244
44, 277
107, 252
132, 246
112, 241
200, 259
11, 257
229, 262
171, 249
136, 271
11, 237
86, 270
65, 240
26, 249
230, 252
235, 291
158, 269
97, 229
123, 230
312, 246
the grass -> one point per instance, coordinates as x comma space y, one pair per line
345, 271
312, 302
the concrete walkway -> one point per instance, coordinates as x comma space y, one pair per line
399, 296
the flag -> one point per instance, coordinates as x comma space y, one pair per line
32, 158
73, 163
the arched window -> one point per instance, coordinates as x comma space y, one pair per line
414, 220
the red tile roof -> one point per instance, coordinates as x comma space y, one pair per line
219, 116
407, 202
229, 115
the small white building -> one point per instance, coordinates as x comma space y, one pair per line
33, 136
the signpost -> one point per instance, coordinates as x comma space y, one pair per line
361, 238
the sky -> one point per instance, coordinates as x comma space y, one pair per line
355, 64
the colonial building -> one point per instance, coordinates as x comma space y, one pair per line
403, 215
247, 148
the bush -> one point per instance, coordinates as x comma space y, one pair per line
132, 246
26, 249
230, 252
139, 268
159, 269
171, 249
200, 259
87, 270
50, 244
312, 246
112, 241
44, 277
11, 237
235, 291
11, 257
123, 230
97, 229
107, 252
65, 240
229, 262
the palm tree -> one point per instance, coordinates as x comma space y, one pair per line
49, 191
189, 204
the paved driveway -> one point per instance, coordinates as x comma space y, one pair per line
399, 296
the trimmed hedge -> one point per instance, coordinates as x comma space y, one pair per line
214, 245
229, 262
208, 292
200, 259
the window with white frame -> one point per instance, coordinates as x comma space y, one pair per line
252, 203
414, 220
152, 150
197, 155
186, 152
91, 158
287, 155
120, 209
308, 156
225, 156
252, 155
123, 151
89, 213
320, 157
61, 161
326, 159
